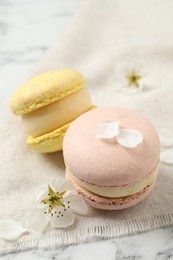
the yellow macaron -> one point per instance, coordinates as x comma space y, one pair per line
48, 104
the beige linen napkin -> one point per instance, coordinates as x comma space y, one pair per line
105, 38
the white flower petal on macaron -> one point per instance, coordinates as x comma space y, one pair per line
129, 137
166, 137
64, 219
107, 129
77, 204
11, 230
167, 157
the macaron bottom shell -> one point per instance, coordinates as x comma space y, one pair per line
51, 141
115, 191
117, 203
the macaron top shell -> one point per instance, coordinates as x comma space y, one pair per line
104, 162
45, 89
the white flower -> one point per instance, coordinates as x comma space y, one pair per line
57, 205
128, 77
125, 136
133, 81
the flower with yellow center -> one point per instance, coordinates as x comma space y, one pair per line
54, 199
57, 205
133, 78
128, 78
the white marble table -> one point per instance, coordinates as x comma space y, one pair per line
27, 30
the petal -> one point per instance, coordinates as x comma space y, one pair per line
107, 129
43, 194
125, 68
11, 230
166, 137
62, 218
130, 90
167, 157
60, 184
137, 67
129, 137
77, 204
38, 219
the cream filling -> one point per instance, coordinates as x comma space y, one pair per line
116, 192
56, 114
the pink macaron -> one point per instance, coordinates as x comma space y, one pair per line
112, 157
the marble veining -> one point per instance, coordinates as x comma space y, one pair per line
27, 30
156, 244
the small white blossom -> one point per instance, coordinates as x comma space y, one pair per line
128, 78
57, 204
